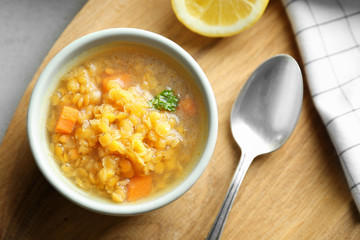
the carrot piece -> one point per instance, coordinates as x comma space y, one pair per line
69, 113
122, 79
64, 126
67, 120
139, 187
188, 105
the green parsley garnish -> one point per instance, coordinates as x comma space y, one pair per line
166, 100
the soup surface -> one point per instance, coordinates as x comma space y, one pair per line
125, 123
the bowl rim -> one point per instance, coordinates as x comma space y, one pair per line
34, 110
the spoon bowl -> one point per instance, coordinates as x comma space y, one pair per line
263, 117
267, 109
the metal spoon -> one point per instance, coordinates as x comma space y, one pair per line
262, 118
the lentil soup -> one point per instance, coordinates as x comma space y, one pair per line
106, 132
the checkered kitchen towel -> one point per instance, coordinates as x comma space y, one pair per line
328, 36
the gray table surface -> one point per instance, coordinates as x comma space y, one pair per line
28, 29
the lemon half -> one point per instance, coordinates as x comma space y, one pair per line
218, 18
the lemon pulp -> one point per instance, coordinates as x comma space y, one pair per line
217, 18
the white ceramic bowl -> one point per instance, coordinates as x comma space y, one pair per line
39, 104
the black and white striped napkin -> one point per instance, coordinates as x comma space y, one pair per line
328, 35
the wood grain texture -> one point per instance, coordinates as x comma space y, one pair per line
297, 192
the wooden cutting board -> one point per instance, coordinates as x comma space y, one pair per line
297, 192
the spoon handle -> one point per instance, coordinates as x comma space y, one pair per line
238, 177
